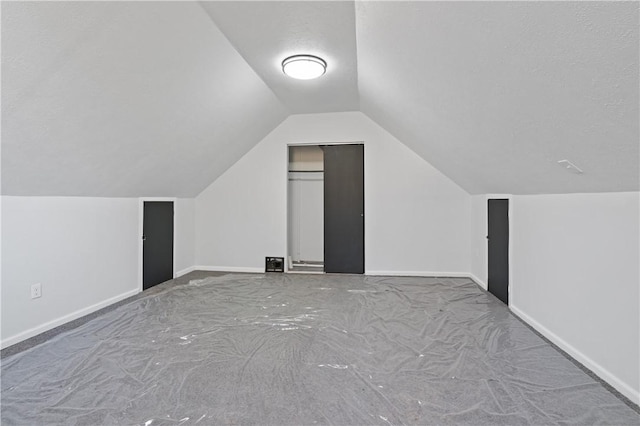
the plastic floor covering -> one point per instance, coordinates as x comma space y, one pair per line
305, 349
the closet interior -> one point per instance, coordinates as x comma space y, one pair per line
306, 209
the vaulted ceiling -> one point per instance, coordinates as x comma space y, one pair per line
124, 99
160, 98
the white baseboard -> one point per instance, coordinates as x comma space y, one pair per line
185, 271
64, 319
603, 373
479, 282
373, 273
428, 274
228, 269
418, 274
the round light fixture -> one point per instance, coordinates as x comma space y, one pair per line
304, 67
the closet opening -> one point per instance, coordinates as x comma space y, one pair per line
306, 209
325, 228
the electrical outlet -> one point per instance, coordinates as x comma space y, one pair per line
36, 291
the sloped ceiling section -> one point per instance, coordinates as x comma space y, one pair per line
124, 99
495, 93
266, 32
160, 98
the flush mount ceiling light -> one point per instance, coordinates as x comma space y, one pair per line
304, 67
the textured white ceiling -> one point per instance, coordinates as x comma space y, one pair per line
123, 99
266, 32
495, 93
160, 98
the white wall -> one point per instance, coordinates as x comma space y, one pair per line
185, 238
82, 250
575, 277
478, 237
416, 219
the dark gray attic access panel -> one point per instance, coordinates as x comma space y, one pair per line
498, 248
157, 254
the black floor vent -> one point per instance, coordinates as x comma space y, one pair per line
274, 264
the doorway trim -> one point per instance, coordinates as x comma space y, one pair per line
486, 233
141, 201
286, 189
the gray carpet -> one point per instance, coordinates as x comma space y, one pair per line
304, 349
